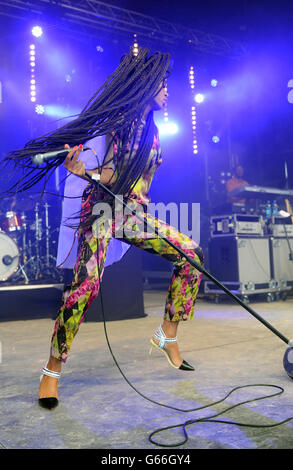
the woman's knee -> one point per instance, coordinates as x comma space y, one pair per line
196, 253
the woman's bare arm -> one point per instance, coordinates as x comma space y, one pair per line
77, 167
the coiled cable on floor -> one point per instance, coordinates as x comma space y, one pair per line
190, 422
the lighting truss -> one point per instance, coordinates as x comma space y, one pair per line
94, 15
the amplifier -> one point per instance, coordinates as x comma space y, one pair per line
242, 264
278, 230
282, 263
237, 224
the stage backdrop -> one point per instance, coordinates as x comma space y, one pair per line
122, 291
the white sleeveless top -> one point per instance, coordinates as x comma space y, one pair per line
74, 187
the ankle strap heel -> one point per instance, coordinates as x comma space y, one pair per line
162, 338
49, 402
50, 373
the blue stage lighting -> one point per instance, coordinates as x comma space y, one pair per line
215, 139
214, 82
40, 109
167, 128
199, 98
37, 31
56, 111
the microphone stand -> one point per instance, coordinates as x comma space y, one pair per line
96, 179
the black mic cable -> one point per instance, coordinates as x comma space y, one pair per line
95, 177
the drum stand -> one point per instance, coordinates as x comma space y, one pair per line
38, 267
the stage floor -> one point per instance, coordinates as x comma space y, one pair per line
99, 410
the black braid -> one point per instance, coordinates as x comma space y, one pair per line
117, 107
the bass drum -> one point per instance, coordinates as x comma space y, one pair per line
9, 256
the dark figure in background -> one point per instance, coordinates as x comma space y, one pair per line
234, 183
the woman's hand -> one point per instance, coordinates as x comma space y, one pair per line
71, 162
77, 167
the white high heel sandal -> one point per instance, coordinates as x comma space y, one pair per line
161, 337
50, 402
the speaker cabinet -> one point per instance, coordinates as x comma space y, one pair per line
282, 264
240, 259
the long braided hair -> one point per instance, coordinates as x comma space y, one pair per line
116, 108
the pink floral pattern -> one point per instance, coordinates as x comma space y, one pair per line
185, 281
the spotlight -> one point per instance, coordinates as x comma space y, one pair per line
39, 109
56, 111
99, 49
172, 128
214, 82
168, 128
199, 98
215, 139
37, 31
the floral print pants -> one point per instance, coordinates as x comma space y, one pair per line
92, 250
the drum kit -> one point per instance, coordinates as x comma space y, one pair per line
27, 244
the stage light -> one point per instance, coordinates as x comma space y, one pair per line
135, 46
99, 49
40, 109
172, 128
32, 69
199, 98
56, 111
167, 128
215, 139
166, 114
214, 82
37, 31
191, 77
193, 111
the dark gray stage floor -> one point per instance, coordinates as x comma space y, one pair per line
99, 410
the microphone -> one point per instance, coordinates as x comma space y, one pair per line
45, 157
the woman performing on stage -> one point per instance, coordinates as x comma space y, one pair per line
121, 111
